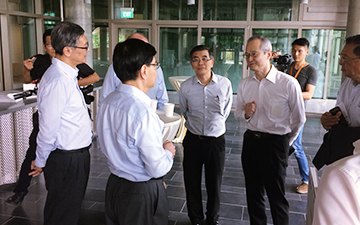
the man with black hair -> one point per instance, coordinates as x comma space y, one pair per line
130, 136
205, 101
306, 75
65, 134
343, 122
34, 69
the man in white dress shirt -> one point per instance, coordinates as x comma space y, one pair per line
348, 96
158, 91
343, 125
271, 104
65, 128
130, 136
338, 196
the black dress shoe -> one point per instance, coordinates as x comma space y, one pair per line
16, 199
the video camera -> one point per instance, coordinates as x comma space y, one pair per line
22, 95
283, 62
86, 90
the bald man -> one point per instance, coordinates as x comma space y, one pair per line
157, 92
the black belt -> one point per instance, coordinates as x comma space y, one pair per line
73, 151
201, 137
260, 135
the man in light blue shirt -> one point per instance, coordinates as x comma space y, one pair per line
65, 132
130, 136
205, 102
158, 92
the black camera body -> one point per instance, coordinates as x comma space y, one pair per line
283, 62
87, 90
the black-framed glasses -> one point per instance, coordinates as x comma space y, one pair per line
85, 48
156, 64
204, 59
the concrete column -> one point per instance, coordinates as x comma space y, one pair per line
79, 12
353, 25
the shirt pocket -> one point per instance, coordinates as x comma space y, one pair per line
217, 104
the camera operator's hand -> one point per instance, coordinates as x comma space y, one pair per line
28, 63
275, 54
328, 120
249, 109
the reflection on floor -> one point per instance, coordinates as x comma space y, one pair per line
233, 203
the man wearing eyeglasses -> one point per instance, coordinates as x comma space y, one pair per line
130, 136
157, 92
34, 69
205, 102
271, 105
65, 134
348, 95
343, 122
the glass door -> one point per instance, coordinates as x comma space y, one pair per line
175, 45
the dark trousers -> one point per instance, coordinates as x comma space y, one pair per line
264, 160
199, 151
24, 178
135, 203
66, 176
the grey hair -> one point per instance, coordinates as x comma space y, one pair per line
354, 40
265, 42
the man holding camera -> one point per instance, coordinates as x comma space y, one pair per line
306, 75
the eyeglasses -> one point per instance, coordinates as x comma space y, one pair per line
86, 47
197, 60
156, 64
252, 54
345, 59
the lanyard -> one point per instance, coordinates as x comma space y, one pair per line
298, 70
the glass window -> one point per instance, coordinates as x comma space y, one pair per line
22, 44
100, 48
335, 74
175, 46
224, 10
49, 24
124, 33
226, 44
318, 40
22, 5
142, 8
99, 9
177, 10
280, 39
275, 10
52, 8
